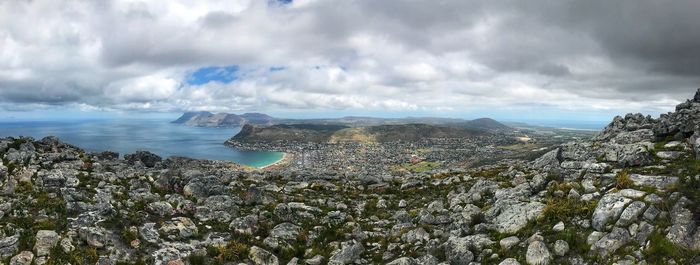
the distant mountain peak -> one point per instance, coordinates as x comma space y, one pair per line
209, 119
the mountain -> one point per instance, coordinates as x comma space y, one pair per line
483, 124
325, 133
190, 115
208, 119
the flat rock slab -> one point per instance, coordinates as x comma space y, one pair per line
515, 217
659, 182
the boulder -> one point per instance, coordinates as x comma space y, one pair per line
548, 161
457, 251
561, 248
515, 216
630, 214
220, 208
537, 253
609, 243
148, 159
260, 256
683, 224
160, 208
349, 253
23, 258
149, 233
509, 242
608, 210
179, 228
509, 261
93, 236
45, 241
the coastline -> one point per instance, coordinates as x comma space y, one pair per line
286, 158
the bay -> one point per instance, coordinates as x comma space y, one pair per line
127, 136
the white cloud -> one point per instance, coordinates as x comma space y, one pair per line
337, 55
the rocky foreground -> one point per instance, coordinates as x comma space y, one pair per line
627, 196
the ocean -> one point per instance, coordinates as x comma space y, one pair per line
126, 136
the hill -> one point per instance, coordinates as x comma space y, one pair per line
323, 133
483, 124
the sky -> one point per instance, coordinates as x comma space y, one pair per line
513, 60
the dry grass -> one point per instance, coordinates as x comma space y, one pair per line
623, 180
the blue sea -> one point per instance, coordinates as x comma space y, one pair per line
155, 135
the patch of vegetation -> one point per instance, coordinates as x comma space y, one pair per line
660, 251
17, 143
233, 251
80, 256
26, 239
565, 210
623, 180
128, 235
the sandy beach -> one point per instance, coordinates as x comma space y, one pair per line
286, 158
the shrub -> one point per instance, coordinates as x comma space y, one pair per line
623, 180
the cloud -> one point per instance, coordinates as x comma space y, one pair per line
370, 55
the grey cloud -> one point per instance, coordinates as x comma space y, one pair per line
393, 54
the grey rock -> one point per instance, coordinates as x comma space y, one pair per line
45, 241
635, 154
561, 248
220, 208
651, 213
508, 242
349, 252
203, 187
550, 160
179, 228
559, 227
415, 236
282, 233
316, 260
611, 242
67, 245
93, 236
538, 254
683, 224
23, 258
669, 154
632, 194
160, 208
457, 251
643, 232
659, 182
630, 214
246, 225
608, 210
574, 195
260, 256
149, 233
630, 123
515, 216
147, 158
593, 237
509, 261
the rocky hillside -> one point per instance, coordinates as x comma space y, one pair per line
629, 196
318, 133
208, 119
